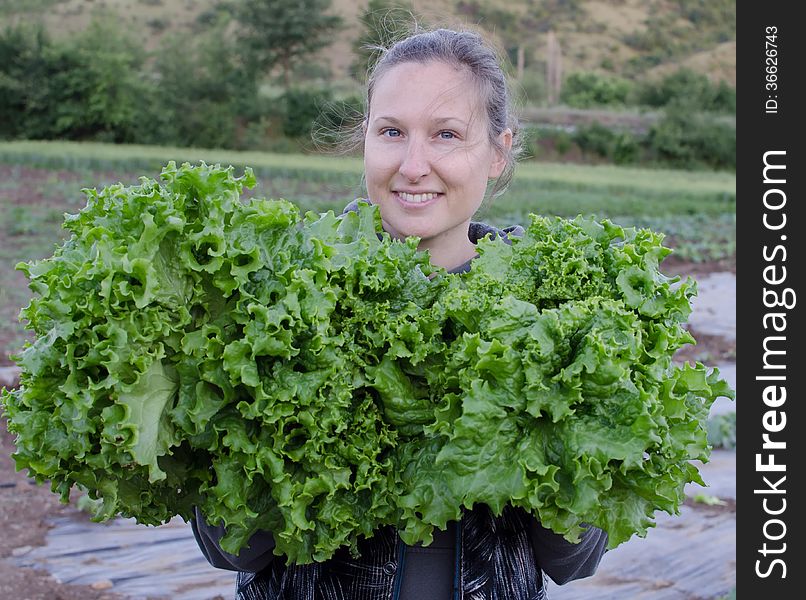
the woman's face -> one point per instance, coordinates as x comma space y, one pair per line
428, 156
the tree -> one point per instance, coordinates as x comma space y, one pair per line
507, 25
279, 33
99, 87
546, 15
25, 70
87, 87
384, 22
204, 94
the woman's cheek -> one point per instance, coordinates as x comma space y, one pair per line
379, 164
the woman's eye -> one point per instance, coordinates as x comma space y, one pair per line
446, 135
391, 132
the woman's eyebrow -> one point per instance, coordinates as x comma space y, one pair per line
443, 120
436, 121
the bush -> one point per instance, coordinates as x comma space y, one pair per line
302, 107
99, 89
312, 71
595, 139
686, 88
336, 122
685, 140
586, 90
721, 430
529, 136
724, 98
626, 149
678, 140
383, 22
620, 147
89, 87
24, 72
546, 143
204, 97
265, 135
531, 89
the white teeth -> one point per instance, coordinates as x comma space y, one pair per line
417, 198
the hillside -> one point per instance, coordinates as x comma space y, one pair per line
630, 38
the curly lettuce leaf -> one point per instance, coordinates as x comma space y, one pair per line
309, 375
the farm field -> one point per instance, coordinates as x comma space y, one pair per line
40, 182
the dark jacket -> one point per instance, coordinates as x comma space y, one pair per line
496, 558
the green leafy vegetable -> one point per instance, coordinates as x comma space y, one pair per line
308, 375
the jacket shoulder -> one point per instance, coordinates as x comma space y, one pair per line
480, 230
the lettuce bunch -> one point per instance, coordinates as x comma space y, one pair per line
308, 375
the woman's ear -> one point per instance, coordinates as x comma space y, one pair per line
501, 152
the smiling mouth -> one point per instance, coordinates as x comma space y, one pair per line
417, 198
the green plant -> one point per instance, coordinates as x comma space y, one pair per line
11, 7
23, 70
696, 210
336, 122
722, 430
279, 34
383, 22
687, 140
87, 87
690, 90
686, 27
99, 86
586, 90
21, 221
695, 237
158, 24
708, 500
532, 88
302, 109
563, 142
204, 96
621, 147
309, 376
595, 138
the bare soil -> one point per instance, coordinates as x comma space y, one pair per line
25, 508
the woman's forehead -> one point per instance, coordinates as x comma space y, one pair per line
440, 71
443, 90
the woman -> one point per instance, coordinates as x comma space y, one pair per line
438, 129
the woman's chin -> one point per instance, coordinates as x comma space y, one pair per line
405, 230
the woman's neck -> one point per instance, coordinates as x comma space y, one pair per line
450, 254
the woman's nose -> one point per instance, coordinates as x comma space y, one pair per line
416, 163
